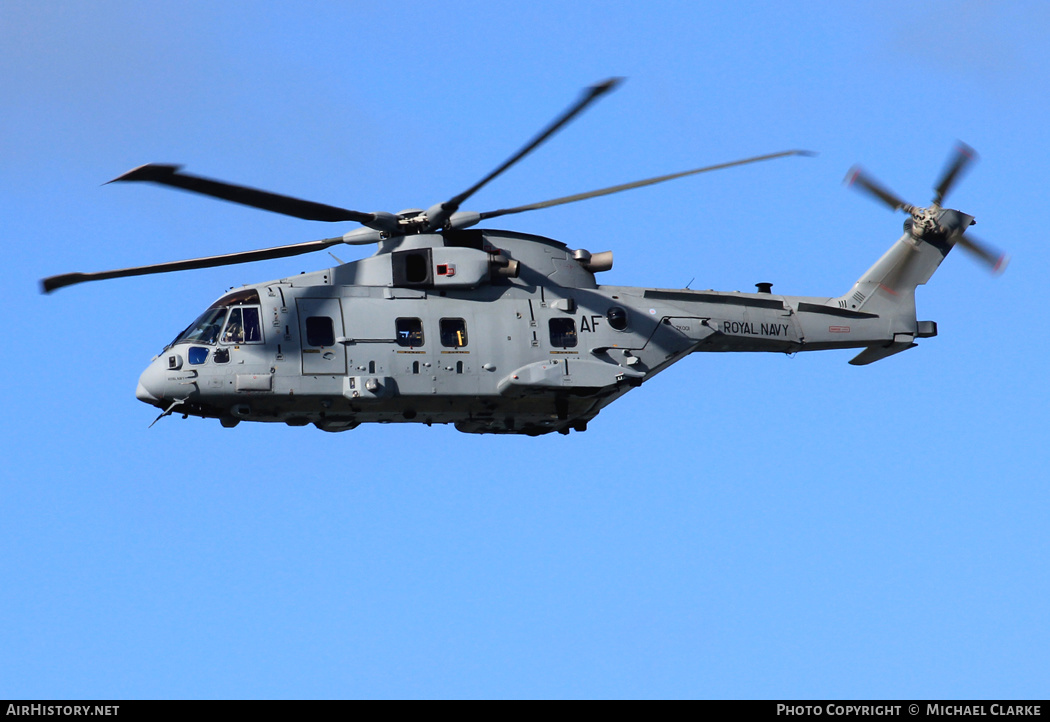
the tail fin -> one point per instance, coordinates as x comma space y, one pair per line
888, 287
888, 290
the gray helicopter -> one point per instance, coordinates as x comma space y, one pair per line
497, 331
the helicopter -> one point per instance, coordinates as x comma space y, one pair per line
498, 331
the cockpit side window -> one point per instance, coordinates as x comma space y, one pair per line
252, 325
243, 326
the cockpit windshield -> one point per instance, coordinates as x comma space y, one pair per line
244, 326
205, 329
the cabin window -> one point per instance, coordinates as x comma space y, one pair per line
453, 332
563, 332
617, 318
243, 326
409, 332
319, 331
197, 355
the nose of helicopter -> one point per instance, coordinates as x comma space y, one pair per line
143, 395
151, 385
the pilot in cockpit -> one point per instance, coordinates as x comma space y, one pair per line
234, 330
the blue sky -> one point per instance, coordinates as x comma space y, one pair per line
742, 526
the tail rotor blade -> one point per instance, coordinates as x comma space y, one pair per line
857, 178
995, 260
964, 155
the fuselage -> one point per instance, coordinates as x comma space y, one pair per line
431, 331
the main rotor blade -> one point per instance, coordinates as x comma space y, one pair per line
589, 96
637, 184
964, 155
170, 175
995, 260
857, 177
229, 259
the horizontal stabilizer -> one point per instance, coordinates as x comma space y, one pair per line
876, 353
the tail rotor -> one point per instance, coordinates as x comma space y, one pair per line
936, 224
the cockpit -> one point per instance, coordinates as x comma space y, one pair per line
233, 319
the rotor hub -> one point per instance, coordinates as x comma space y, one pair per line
925, 221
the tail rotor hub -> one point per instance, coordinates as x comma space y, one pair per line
925, 221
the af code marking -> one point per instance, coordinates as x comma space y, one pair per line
589, 327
